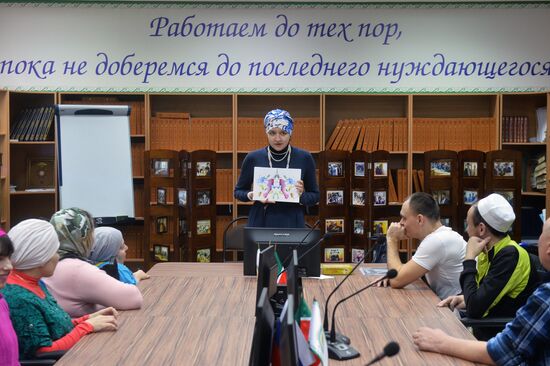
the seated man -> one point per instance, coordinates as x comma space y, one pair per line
441, 251
524, 341
503, 277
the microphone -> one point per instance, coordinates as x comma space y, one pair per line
390, 350
339, 337
342, 351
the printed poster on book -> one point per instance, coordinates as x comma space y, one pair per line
276, 184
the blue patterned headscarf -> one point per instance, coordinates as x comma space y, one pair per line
278, 118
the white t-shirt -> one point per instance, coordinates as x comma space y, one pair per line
442, 253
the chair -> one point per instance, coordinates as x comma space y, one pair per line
43, 359
233, 235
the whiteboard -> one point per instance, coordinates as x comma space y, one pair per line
94, 159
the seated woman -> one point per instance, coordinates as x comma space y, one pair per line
41, 325
9, 349
79, 286
109, 250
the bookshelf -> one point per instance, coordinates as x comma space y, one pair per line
231, 125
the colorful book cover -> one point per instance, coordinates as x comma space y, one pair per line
276, 184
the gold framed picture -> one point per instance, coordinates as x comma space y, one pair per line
40, 173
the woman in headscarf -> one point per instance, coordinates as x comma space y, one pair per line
41, 325
79, 286
109, 250
9, 349
279, 153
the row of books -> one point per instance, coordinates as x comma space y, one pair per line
134, 238
538, 180
137, 159
251, 133
138, 200
369, 134
34, 124
137, 110
397, 184
178, 131
515, 129
224, 185
454, 134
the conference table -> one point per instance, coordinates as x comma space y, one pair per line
203, 314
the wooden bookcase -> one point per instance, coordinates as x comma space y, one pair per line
231, 125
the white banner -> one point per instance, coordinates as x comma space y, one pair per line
309, 48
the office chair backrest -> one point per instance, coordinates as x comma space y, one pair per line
233, 235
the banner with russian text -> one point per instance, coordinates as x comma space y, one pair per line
275, 48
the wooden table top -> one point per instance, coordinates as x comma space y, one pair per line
203, 314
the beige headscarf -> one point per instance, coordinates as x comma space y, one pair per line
35, 243
75, 229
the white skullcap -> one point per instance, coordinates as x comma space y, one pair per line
35, 242
497, 212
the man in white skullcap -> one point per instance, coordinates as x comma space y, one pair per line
503, 277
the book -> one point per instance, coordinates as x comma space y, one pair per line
276, 184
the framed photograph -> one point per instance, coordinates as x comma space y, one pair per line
161, 196
335, 197
335, 169
440, 168
359, 227
359, 169
470, 197
381, 169
503, 168
358, 198
203, 169
162, 224
334, 226
334, 255
182, 197
161, 167
40, 173
203, 227
357, 255
379, 227
161, 252
442, 197
203, 198
509, 195
379, 198
276, 184
470, 168
445, 221
203, 255
184, 167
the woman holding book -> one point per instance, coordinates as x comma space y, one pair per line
40, 324
78, 285
279, 153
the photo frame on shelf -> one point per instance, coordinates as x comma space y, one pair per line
440, 168
380, 198
335, 169
445, 221
442, 196
334, 226
470, 169
358, 198
40, 173
381, 169
182, 197
161, 252
203, 255
203, 169
182, 226
161, 167
508, 194
470, 196
334, 255
335, 197
503, 169
162, 224
359, 169
203, 198
379, 227
203, 227
359, 227
357, 255
161, 196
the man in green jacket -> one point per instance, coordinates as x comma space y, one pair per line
503, 277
